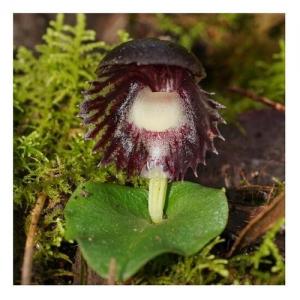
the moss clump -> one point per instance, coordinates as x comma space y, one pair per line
50, 154
273, 85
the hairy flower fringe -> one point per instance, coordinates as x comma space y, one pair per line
130, 147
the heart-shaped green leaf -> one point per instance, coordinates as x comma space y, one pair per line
111, 223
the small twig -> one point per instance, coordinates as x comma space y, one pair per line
244, 178
262, 222
29, 246
112, 269
250, 94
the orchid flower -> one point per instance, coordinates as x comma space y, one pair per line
149, 115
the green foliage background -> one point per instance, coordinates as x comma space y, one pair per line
51, 156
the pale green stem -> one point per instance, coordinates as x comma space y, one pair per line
157, 196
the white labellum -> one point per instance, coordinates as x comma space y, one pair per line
156, 111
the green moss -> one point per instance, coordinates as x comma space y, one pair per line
273, 85
263, 266
50, 154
